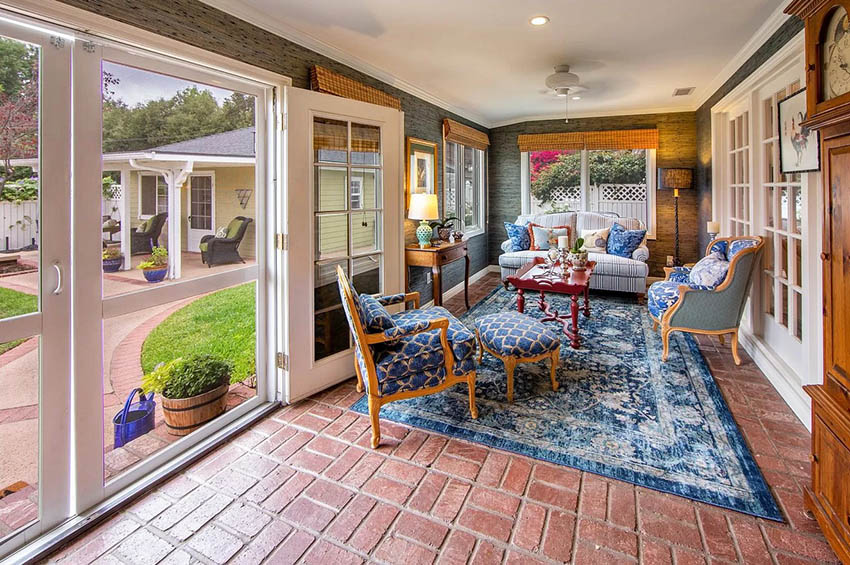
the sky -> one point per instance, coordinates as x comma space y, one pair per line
137, 86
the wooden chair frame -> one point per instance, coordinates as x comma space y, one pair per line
664, 322
367, 339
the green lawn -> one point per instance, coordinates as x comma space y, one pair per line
14, 303
222, 323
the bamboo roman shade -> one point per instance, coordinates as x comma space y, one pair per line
332, 135
329, 82
612, 139
458, 133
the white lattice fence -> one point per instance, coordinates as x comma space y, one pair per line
625, 200
19, 224
563, 198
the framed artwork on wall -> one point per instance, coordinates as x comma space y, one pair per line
420, 177
799, 146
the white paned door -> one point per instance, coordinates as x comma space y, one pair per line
345, 208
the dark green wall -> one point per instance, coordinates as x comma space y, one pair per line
197, 24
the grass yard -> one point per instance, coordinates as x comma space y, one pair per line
14, 303
222, 324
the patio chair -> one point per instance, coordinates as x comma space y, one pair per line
408, 354
223, 250
677, 304
145, 240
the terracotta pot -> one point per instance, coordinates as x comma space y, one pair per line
185, 415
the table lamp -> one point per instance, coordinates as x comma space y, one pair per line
423, 207
676, 179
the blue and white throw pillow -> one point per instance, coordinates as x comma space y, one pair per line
520, 240
623, 242
710, 270
375, 316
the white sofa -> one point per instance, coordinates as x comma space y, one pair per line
611, 272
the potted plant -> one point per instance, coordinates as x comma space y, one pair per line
156, 267
112, 259
193, 390
444, 228
577, 256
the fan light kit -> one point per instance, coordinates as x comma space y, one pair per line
565, 84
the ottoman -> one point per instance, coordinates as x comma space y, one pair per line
517, 338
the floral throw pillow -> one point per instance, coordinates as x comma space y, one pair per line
595, 241
623, 242
520, 240
542, 238
710, 270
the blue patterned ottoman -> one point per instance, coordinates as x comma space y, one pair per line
517, 338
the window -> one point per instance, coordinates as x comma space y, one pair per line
153, 196
356, 193
615, 182
464, 186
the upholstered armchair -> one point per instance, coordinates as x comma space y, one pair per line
407, 354
145, 240
679, 303
223, 250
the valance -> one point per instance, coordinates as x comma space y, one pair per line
610, 139
329, 82
465, 135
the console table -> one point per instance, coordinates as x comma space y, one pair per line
435, 257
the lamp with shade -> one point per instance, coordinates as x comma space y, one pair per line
675, 179
423, 207
712, 229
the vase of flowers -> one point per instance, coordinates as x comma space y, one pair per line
577, 256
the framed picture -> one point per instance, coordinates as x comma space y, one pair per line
420, 168
799, 147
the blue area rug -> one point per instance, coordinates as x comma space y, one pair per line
619, 412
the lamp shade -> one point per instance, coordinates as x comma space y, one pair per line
675, 178
423, 207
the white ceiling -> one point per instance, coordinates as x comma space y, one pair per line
484, 60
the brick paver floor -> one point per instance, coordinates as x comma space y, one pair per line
303, 486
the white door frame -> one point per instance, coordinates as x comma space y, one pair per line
305, 375
193, 236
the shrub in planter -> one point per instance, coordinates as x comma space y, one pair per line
156, 267
193, 390
112, 259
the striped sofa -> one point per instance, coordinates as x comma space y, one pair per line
611, 272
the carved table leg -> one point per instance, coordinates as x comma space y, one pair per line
520, 301
575, 342
587, 301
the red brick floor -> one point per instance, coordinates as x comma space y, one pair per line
303, 486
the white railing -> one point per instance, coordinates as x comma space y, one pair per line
624, 200
19, 224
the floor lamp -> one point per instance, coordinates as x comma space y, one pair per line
675, 179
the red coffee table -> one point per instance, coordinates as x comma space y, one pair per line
536, 277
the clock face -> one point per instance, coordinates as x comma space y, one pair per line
836, 55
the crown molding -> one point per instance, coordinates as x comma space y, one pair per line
603, 114
281, 29
767, 29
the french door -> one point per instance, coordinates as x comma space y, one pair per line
201, 208
345, 205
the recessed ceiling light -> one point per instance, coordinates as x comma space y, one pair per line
539, 20
576, 97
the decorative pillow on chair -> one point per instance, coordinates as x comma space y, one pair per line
542, 238
596, 241
221, 233
375, 316
623, 242
710, 270
520, 240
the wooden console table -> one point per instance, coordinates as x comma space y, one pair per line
435, 258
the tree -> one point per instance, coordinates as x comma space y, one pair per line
564, 172
604, 167
17, 61
18, 107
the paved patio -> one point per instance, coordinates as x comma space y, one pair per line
303, 486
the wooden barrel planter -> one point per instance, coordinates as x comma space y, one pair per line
185, 415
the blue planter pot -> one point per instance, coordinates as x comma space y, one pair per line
112, 265
155, 275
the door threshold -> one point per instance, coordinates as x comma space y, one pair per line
52, 540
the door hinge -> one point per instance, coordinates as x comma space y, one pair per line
281, 241
282, 361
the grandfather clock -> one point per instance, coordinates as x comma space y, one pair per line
828, 110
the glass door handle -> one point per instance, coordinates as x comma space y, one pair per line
58, 289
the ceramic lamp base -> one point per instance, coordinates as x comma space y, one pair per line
423, 234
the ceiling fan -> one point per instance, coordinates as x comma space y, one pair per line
565, 84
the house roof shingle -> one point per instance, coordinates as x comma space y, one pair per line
236, 143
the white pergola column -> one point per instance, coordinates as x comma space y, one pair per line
176, 179
126, 229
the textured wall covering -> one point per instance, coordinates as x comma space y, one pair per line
202, 26
677, 148
703, 178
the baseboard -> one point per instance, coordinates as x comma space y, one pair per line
780, 375
458, 288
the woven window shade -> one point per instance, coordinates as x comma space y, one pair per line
612, 139
330, 135
326, 81
465, 135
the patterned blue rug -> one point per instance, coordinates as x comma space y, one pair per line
619, 412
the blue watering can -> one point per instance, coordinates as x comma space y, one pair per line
135, 420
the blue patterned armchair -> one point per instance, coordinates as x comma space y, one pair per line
680, 303
411, 353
